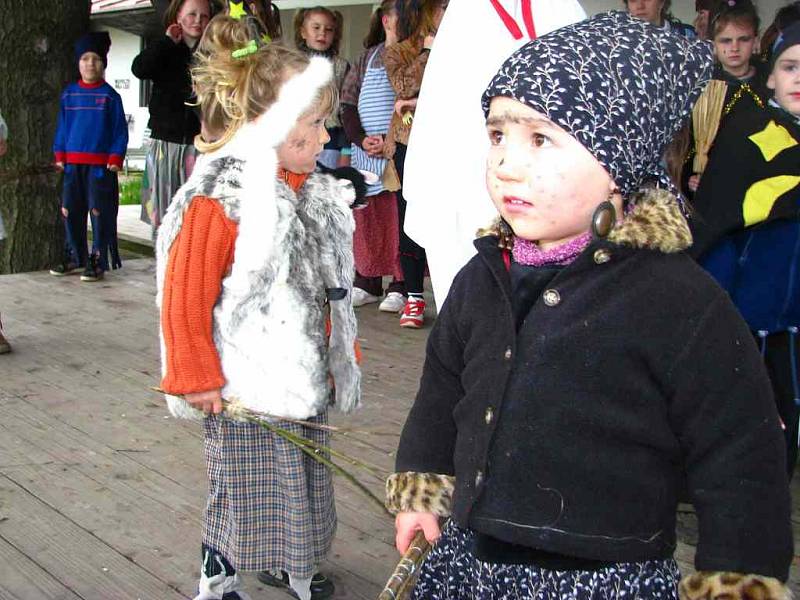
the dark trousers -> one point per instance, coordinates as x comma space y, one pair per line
92, 191
374, 285
778, 357
412, 255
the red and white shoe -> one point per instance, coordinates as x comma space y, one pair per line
413, 314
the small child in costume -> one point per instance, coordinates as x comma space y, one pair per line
584, 371
254, 262
90, 144
747, 225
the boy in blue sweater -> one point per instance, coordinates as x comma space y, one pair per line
89, 146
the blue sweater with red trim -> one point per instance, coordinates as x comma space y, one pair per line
92, 129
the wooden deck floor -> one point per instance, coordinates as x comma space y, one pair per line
101, 491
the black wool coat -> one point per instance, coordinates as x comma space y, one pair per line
167, 65
632, 377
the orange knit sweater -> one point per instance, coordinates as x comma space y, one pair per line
199, 259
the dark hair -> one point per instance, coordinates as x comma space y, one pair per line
268, 15
171, 14
333, 15
376, 35
416, 17
783, 18
725, 12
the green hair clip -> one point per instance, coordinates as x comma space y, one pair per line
250, 48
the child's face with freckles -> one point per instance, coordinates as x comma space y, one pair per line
304, 143
543, 182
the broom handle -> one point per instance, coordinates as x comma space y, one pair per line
406, 568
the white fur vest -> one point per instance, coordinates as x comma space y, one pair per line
269, 321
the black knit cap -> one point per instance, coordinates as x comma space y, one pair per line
789, 37
621, 86
95, 41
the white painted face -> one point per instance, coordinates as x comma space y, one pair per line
542, 181
785, 80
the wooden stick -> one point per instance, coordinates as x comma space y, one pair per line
402, 581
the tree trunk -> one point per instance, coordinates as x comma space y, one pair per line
36, 62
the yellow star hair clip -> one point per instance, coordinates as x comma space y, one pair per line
236, 9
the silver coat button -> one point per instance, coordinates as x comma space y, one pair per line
489, 416
551, 297
602, 256
478, 479
507, 353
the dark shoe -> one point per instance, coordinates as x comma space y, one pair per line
92, 272
321, 587
65, 268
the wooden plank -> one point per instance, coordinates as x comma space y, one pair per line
22, 579
74, 556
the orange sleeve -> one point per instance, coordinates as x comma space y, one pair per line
199, 258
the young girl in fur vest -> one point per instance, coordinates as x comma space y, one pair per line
254, 259
583, 371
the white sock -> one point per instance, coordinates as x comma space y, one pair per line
302, 586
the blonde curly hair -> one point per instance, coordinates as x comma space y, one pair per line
232, 91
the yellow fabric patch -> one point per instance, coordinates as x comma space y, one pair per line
773, 140
762, 195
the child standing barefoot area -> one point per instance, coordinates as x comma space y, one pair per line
254, 257
584, 372
90, 145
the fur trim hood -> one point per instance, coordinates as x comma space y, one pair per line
655, 222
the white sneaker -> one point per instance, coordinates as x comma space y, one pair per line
360, 297
393, 303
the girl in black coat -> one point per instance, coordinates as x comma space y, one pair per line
173, 123
583, 370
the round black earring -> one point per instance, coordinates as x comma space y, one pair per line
604, 218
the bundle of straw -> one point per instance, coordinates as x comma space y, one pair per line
402, 581
706, 116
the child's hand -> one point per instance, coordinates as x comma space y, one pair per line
694, 182
428, 41
373, 145
408, 523
113, 168
175, 33
59, 166
209, 402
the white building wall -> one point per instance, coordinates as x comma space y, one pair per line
684, 9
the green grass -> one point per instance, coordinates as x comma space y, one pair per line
130, 188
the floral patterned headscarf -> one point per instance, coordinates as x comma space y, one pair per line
621, 86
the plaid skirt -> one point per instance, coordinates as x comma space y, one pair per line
270, 506
451, 572
167, 167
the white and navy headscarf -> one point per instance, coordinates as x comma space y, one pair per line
621, 86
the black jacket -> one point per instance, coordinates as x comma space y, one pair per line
167, 64
632, 376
